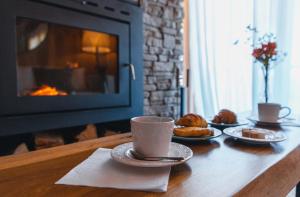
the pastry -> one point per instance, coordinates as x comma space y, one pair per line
225, 116
253, 133
192, 120
193, 132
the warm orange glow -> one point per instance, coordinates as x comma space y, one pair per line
96, 42
73, 65
93, 49
46, 90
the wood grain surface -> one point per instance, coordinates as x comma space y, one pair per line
220, 167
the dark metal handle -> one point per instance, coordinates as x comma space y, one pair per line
132, 70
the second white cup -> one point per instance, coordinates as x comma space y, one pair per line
269, 112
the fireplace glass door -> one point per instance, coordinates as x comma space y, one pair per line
66, 63
60, 60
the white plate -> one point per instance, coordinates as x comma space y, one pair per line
217, 133
223, 126
271, 136
258, 122
122, 154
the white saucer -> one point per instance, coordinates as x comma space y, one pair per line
222, 126
255, 120
271, 136
122, 154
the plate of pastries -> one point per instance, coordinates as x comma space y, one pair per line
226, 118
193, 127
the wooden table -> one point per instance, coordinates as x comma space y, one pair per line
222, 167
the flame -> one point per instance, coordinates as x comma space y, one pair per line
46, 90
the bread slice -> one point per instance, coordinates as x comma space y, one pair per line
193, 132
253, 133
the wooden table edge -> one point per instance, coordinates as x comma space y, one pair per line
272, 177
13, 161
261, 184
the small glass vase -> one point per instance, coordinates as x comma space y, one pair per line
266, 75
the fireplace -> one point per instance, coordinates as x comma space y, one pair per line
85, 64
69, 62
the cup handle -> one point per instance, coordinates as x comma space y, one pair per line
289, 112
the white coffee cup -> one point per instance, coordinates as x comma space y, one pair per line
269, 112
152, 135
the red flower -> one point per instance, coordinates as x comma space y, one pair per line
272, 45
271, 48
258, 52
268, 50
265, 47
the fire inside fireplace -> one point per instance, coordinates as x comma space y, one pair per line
46, 90
59, 60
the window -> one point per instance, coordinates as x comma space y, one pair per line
223, 74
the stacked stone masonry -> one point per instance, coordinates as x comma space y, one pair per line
163, 55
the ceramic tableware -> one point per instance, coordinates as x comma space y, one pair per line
122, 154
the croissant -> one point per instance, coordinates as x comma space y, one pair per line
192, 120
225, 116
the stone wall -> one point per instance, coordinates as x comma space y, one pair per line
163, 50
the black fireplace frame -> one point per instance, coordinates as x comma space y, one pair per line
30, 114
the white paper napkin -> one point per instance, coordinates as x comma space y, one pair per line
99, 170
